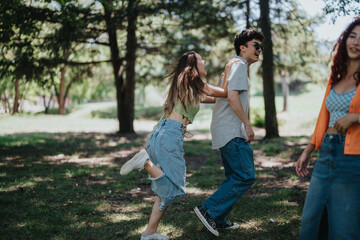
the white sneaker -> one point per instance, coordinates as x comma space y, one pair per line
154, 236
227, 225
136, 162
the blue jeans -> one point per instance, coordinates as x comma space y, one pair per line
164, 146
334, 189
238, 160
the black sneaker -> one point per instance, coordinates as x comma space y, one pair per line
227, 225
206, 219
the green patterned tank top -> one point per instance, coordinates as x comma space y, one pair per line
191, 110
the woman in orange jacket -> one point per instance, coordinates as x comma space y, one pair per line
332, 205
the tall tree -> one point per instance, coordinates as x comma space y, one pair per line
116, 60
17, 97
296, 50
271, 125
36, 40
184, 25
165, 28
247, 13
128, 96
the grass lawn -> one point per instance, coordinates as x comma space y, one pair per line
59, 179
67, 186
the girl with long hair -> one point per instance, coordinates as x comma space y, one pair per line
332, 205
163, 158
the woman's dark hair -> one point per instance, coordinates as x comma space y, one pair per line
186, 84
339, 66
246, 36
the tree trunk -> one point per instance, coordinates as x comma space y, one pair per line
47, 104
116, 61
285, 90
17, 98
128, 93
271, 125
247, 13
61, 96
6, 103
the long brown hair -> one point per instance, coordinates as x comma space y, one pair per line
339, 67
186, 84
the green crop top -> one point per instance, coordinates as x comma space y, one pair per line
191, 110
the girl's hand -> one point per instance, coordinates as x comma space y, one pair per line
301, 165
216, 91
303, 161
343, 123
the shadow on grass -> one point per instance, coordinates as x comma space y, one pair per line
67, 186
81, 144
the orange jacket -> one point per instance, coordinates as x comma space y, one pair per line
352, 138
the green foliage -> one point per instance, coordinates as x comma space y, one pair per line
298, 54
258, 118
336, 8
141, 112
110, 112
184, 26
55, 111
293, 177
153, 113
79, 172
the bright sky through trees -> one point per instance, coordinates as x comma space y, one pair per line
328, 30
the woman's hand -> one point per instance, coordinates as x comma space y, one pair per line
303, 161
343, 123
208, 99
216, 91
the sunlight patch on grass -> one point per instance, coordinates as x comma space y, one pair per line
165, 229
36, 202
103, 207
15, 143
130, 211
171, 230
85, 224
3, 174
139, 230
198, 191
75, 157
17, 158
294, 177
265, 176
250, 224
112, 144
98, 174
286, 203
58, 238
119, 217
79, 172
21, 225
30, 183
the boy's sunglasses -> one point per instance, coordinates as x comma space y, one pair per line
257, 46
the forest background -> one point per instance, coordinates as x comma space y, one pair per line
81, 87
